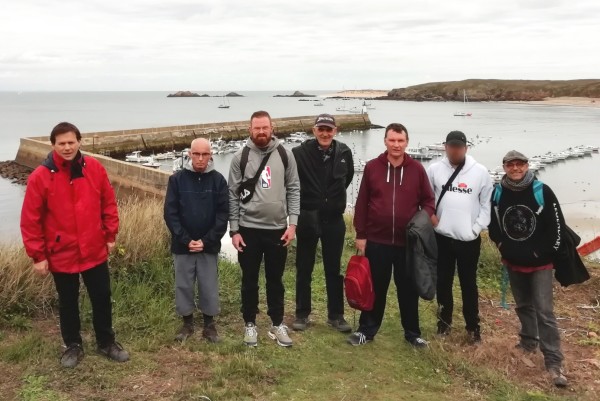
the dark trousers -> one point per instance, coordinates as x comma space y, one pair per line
462, 256
331, 233
383, 260
262, 243
97, 282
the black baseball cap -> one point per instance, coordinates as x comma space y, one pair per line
456, 138
326, 120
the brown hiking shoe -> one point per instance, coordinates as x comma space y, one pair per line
210, 333
184, 332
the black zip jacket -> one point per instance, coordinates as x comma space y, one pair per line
323, 184
527, 237
196, 208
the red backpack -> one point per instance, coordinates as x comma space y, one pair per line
358, 284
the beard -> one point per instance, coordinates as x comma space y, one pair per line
261, 140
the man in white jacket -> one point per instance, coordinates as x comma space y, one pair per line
463, 210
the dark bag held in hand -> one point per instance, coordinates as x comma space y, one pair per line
445, 187
247, 188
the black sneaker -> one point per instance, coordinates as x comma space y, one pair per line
187, 330
418, 342
72, 356
340, 325
300, 324
558, 376
210, 333
443, 330
357, 338
474, 336
115, 352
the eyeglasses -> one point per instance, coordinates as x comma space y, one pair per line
517, 164
203, 155
324, 129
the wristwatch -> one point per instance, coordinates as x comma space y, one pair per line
232, 233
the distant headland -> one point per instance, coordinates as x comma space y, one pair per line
482, 90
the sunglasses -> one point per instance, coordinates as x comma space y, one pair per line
324, 129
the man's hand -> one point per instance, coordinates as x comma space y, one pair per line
434, 220
41, 268
110, 246
238, 242
289, 235
196, 246
361, 246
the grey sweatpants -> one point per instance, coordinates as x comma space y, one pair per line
200, 268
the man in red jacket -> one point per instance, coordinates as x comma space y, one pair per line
393, 188
69, 223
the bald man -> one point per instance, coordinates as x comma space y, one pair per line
196, 212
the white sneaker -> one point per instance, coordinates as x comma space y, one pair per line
250, 335
280, 334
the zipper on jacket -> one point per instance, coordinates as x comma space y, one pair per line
394, 206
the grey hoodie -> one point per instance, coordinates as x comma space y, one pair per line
277, 193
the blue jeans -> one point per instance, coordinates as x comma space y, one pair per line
533, 296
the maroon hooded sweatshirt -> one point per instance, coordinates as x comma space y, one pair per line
389, 197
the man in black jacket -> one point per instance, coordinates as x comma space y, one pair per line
196, 212
528, 227
326, 168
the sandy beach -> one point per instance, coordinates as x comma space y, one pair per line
362, 93
564, 101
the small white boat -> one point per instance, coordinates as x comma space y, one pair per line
165, 156
151, 163
318, 104
436, 146
420, 153
224, 104
136, 157
465, 101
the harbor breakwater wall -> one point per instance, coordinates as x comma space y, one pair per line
137, 179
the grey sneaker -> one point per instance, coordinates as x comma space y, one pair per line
280, 334
211, 334
300, 324
250, 335
558, 376
358, 338
187, 330
115, 352
72, 356
340, 325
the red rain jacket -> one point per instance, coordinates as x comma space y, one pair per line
69, 221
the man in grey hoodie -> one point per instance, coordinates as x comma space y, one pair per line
258, 220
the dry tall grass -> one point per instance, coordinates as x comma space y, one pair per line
143, 236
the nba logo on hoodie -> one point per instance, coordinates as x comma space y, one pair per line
265, 178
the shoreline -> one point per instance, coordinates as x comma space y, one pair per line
560, 101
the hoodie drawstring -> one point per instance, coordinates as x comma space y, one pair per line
388, 173
401, 174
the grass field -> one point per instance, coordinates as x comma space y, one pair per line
320, 365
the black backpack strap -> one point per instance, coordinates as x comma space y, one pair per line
244, 160
448, 183
283, 155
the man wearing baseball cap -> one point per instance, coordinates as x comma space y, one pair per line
326, 168
462, 190
528, 228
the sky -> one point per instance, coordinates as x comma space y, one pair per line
293, 45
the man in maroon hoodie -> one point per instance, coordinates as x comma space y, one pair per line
393, 188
